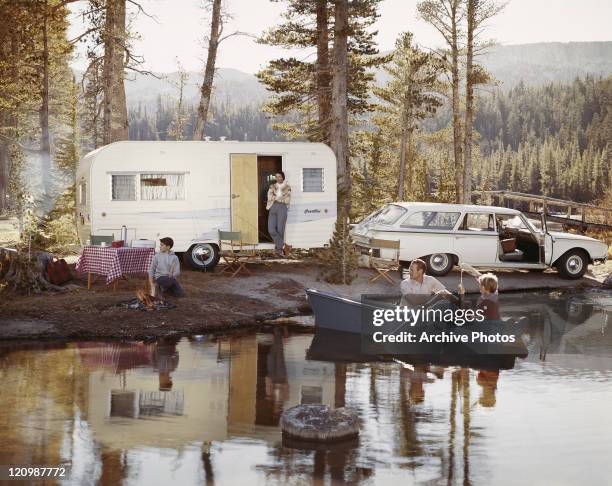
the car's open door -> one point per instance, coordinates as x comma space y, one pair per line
546, 241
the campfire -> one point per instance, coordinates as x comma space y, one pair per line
145, 301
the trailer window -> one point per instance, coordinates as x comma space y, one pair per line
162, 187
431, 220
123, 187
312, 180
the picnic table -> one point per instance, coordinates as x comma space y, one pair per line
113, 263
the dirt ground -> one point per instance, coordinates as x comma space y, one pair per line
214, 302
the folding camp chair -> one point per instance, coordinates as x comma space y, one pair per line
235, 252
386, 263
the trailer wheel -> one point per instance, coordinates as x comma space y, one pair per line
573, 264
202, 256
439, 264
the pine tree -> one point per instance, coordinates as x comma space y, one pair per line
340, 259
303, 88
407, 99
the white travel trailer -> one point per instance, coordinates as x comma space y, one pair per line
191, 190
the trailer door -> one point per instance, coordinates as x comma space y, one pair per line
244, 196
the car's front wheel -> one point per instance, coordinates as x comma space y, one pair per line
573, 264
439, 264
202, 256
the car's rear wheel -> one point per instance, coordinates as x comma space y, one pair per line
573, 264
202, 256
439, 264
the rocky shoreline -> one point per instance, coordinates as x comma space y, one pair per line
276, 289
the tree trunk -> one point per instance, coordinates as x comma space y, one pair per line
322, 66
3, 170
456, 102
469, 105
402, 168
209, 71
45, 143
115, 107
339, 126
22, 273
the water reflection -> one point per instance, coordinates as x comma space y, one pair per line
206, 410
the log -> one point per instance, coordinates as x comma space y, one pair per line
25, 274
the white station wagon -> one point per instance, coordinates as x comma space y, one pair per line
483, 236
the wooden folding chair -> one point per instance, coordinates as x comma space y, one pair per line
235, 252
384, 264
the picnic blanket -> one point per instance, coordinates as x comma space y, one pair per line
114, 262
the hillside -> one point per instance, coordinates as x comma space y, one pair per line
541, 63
535, 64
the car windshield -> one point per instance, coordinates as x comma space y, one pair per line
387, 215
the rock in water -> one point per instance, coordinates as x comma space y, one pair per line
320, 423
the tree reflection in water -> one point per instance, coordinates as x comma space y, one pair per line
422, 422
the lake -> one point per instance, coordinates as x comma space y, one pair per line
206, 409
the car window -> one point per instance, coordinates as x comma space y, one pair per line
388, 215
431, 220
477, 222
511, 222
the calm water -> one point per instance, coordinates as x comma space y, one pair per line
206, 410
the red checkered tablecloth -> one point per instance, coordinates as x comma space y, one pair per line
114, 262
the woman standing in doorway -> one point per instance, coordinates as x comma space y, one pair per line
279, 198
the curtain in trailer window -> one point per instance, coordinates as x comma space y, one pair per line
162, 187
312, 180
123, 188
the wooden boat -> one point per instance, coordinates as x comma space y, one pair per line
340, 314
341, 347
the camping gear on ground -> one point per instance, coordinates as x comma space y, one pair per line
114, 263
235, 252
58, 271
142, 243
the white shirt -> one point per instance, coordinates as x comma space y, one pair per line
429, 286
279, 189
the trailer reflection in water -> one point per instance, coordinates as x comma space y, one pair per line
207, 409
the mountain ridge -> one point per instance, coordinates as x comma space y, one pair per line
533, 64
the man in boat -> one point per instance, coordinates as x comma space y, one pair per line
419, 288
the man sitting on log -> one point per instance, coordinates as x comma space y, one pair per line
164, 269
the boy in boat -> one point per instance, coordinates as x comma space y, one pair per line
164, 270
489, 298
